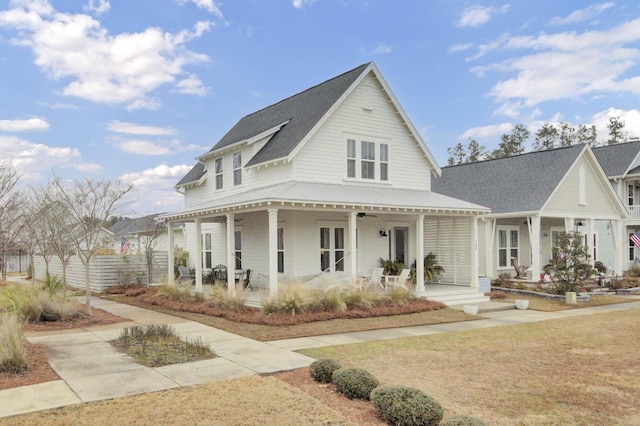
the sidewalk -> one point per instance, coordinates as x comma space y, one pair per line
91, 369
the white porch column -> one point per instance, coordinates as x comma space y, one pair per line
170, 266
490, 232
231, 255
569, 224
273, 252
353, 265
621, 242
474, 252
198, 255
420, 254
534, 237
591, 230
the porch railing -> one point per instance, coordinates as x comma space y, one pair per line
634, 211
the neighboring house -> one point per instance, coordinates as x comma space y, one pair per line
325, 182
533, 197
621, 163
145, 232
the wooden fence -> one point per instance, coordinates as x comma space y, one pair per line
106, 271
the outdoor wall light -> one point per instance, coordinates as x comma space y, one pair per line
382, 232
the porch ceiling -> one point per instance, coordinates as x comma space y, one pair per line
309, 195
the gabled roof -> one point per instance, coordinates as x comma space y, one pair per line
140, 225
522, 183
294, 119
618, 160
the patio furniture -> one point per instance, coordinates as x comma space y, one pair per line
375, 279
398, 280
521, 271
244, 276
185, 275
220, 273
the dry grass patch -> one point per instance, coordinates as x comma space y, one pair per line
570, 371
251, 400
548, 305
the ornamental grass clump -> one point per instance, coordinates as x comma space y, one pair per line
322, 370
354, 383
12, 356
462, 420
220, 297
405, 406
398, 295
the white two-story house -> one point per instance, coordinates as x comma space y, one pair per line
327, 181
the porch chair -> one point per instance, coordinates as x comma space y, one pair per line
246, 279
398, 280
521, 271
185, 276
375, 280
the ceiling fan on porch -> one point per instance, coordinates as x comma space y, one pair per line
363, 214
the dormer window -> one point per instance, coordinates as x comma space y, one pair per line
237, 168
367, 159
218, 171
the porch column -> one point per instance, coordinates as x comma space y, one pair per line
621, 242
569, 224
353, 265
420, 254
474, 253
490, 231
231, 255
198, 255
591, 230
534, 238
170, 266
273, 252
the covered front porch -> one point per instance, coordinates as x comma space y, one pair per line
295, 238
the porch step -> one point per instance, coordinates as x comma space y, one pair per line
458, 296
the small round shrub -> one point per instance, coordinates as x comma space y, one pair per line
462, 420
354, 383
322, 370
404, 406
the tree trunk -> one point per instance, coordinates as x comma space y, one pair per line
88, 286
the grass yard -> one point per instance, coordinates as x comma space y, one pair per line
548, 305
575, 371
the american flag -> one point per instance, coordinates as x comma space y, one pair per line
124, 245
636, 239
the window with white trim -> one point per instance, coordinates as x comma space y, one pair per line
237, 168
237, 248
508, 245
207, 252
218, 172
632, 248
281, 250
332, 245
367, 159
630, 194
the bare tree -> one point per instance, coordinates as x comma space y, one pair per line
9, 210
89, 204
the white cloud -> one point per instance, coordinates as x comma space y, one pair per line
154, 147
630, 117
564, 65
153, 188
485, 132
477, 15
381, 49
30, 124
209, 5
192, 85
32, 159
98, 6
459, 47
137, 129
299, 4
113, 69
582, 14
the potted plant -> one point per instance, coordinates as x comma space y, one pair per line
432, 270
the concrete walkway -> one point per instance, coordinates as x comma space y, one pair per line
91, 369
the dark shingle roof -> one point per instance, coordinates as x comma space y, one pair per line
514, 184
302, 111
135, 226
616, 159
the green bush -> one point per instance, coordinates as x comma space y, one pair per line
354, 383
53, 285
404, 406
462, 420
12, 357
322, 370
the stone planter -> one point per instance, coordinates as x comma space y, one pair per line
470, 309
571, 298
522, 304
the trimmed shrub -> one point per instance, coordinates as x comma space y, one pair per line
12, 357
354, 383
404, 406
462, 420
322, 370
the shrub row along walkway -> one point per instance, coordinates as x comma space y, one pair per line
91, 369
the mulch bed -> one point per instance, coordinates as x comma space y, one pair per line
38, 370
98, 317
255, 316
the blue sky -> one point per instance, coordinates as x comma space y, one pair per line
136, 89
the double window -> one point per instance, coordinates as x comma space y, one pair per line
367, 160
332, 249
508, 245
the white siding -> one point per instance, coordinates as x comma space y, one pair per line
322, 159
449, 239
